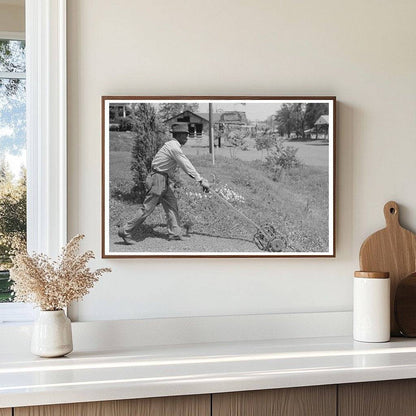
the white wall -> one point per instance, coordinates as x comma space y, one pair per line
361, 51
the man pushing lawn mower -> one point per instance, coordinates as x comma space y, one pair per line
159, 185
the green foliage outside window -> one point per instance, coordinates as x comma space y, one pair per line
12, 223
12, 145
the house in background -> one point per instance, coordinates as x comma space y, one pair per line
118, 111
321, 126
234, 118
319, 129
198, 123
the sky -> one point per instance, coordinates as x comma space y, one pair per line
16, 162
254, 111
12, 145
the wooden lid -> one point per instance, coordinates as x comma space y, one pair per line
372, 275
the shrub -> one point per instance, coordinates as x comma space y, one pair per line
126, 124
122, 190
114, 127
237, 139
150, 134
265, 141
282, 157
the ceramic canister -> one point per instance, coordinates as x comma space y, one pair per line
371, 313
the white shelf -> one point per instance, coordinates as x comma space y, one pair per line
150, 371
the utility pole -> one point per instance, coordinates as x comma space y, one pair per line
211, 133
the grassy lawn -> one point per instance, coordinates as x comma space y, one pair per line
121, 141
313, 153
297, 205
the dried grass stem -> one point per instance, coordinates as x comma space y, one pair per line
53, 285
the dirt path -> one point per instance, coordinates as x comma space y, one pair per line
157, 242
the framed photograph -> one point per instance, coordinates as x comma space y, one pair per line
218, 177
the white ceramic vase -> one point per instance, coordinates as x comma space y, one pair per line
52, 334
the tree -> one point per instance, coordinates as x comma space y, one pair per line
12, 214
291, 119
169, 110
6, 175
237, 139
284, 119
12, 56
313, 111
150, 134
281, 158
264, 141
298, 114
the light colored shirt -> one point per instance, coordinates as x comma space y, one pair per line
170, 156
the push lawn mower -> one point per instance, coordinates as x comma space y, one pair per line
267, 238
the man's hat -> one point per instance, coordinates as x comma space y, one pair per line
179, 128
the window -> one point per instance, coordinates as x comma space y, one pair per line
45, 27
12, 153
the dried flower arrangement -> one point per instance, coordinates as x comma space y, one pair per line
53, 285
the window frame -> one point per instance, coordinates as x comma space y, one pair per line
46, 137
12, 35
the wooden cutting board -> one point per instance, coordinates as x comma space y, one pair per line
405, 305
393, 250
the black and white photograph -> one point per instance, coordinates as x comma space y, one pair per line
218, 176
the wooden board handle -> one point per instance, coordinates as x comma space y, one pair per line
391, 214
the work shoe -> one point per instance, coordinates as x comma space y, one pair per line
175, 237
126, 238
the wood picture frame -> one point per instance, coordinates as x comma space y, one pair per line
269, 163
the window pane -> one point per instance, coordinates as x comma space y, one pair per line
12, 56
12, 117
12, 175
